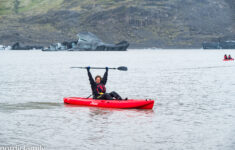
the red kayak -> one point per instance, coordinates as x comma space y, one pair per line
124, 104
229, 59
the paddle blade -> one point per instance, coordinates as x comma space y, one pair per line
122, 68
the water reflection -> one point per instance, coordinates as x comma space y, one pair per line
29, 106
99, 111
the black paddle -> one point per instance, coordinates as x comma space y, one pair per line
121, 68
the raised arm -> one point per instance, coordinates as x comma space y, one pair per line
105, 77
92, 82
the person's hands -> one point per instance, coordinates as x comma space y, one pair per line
107, 68
88, 68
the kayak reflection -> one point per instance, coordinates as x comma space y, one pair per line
99, 111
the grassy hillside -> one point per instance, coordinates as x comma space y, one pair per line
144, 23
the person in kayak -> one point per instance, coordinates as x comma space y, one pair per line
225, 57
229, 57
98, 87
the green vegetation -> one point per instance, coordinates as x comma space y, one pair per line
144, 23
16, 6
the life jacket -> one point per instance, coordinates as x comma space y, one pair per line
225, 57
100, 89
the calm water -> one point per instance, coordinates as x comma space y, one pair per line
194, 94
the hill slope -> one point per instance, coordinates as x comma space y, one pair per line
144, 23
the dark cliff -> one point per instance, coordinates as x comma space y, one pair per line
143, 23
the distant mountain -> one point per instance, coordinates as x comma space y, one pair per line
143, 23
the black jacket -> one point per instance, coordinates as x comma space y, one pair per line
94, 85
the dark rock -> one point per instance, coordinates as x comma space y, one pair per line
210, 45
17, 46
70, 45
219, 45
227, 45
122, 46
88, 42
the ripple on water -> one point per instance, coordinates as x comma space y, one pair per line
194, 100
